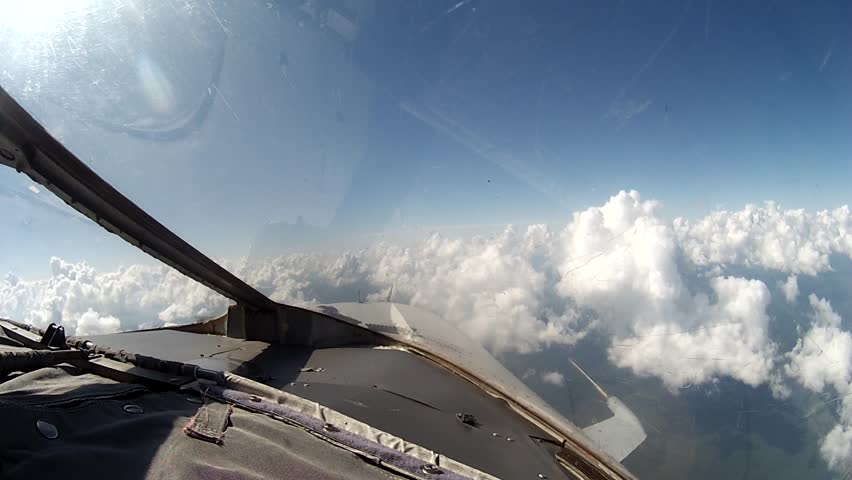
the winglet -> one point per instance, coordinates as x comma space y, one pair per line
620, 434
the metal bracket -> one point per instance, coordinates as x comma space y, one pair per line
54, 337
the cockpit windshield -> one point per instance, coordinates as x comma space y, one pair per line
656, 192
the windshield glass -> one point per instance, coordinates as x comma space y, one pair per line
656, 191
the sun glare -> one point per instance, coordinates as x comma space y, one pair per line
42, 17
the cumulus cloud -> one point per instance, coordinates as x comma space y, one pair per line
93, 323
790, 288
730, 338
620, 260
820, 361
553, 378
823, 356
612, 267
836, 447
769, 237
497, 289
86, 302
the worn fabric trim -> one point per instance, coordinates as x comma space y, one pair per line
325, 414
209, 423
385, 455
351, 432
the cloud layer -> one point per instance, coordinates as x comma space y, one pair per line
553, 378
768, 237
87, 302
657, 289
822, 361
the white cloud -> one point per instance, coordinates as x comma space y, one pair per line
92, 323
493, 288
612, 266
705, 340
497, 289
790, 288
786, 240
526, 289
86, 302
620, 261
11, 279
553, 378
823, 356
836, 447
822, 359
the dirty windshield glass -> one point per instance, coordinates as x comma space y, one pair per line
656, 191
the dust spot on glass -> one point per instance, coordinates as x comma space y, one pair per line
337, 93
284, 65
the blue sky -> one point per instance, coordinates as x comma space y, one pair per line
700, 104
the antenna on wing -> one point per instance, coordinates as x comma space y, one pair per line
598, 387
